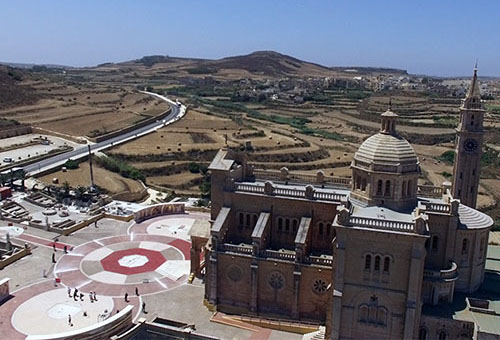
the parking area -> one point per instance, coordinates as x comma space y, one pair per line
20, 148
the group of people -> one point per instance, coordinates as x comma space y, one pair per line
76, 295
65, 249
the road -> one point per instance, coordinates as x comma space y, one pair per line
176, 113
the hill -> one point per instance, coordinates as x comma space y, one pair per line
13, 93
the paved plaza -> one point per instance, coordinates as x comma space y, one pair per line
112, 258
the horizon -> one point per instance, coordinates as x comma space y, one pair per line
430, 41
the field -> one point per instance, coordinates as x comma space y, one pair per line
111, 182
83, 109
319, 131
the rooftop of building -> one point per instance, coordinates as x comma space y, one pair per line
481, 307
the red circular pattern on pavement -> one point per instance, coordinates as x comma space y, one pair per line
111, 262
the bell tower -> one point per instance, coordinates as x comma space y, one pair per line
468, 148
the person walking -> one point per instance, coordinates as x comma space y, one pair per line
54, 246
69, 291
136, 291
81, 296
126, 297
53, 257
65, 249
144, 307
69, 320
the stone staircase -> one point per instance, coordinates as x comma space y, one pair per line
317, 335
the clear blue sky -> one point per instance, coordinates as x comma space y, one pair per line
442, 37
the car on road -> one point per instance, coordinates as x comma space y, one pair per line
8, 160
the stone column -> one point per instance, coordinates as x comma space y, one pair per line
413, 294
296, 291
212, 293
195, 259
254, 271
338, 279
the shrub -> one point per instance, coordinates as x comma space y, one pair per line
71, 164
447, 157
124, 169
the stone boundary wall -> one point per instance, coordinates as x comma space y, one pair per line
93, 219
129, 128
42, 131
4, 289
102, 330
26, 250
15, 131
159, 210
131, 196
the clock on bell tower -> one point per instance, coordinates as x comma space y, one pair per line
468, 148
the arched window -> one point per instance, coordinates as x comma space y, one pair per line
409, 188
280, 224
382, 316
387, 188
472, 120
287, 225
379, 187
240, 215
358, 182
387, 262
377, 263
321, 228
363, 313
442, 335
435, 244
248, 220
465, 246
295, 223
403, 189
422, 334
368, 262
372, 314
363, 184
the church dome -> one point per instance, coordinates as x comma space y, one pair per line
386, 151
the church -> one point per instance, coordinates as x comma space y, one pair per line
375, 256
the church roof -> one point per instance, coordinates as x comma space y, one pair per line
386, 149
473, 219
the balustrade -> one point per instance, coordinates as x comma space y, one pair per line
381, 224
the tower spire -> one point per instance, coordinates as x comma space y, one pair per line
474, 87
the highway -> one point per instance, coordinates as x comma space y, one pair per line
177, 112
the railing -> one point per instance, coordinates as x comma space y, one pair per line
340, 181
278, 254
237, 248
259, 189
267, 174
444, 274
321, 260
438, 207
289, 192
381, 224
328, 196
274, 175
429, 191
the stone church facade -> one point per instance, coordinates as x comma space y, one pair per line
367, 256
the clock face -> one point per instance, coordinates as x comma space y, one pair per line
470, 145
